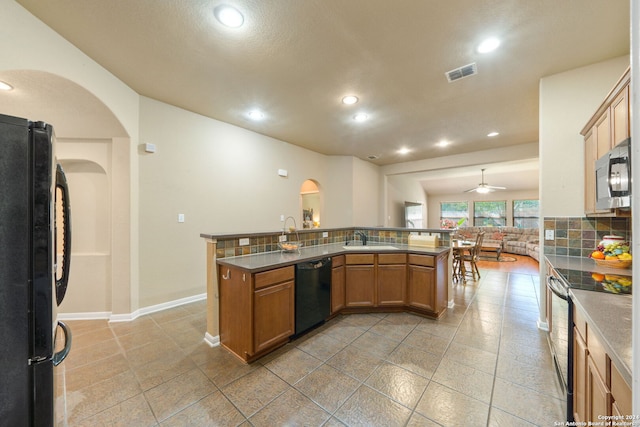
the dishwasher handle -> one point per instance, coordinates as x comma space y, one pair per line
315, 265
558, 287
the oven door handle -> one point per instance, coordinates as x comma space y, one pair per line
557, 287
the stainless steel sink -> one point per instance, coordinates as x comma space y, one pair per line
369, 248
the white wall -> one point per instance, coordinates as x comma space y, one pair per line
224, 179
567, 102
400, 189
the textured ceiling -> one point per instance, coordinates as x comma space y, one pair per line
296, 59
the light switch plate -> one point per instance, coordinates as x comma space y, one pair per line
180, 217
325, 234
243, 242
282, 238
549, 235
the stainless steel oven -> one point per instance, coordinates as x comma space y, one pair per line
561, 336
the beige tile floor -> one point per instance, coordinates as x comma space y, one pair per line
484, 363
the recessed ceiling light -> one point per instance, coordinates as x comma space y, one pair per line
228, 15
5, 86
349, 99
488, 45
256, 115
360, 117
404, 150
442, 143
493, 134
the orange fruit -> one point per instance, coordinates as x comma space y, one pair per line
597, 255
597, 277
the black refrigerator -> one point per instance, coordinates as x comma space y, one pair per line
32, 284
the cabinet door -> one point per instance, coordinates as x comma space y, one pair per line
421, 287
235, 310
337, 289
620, 117
360, 286
579, 377
590, 152
598, 395
273, 315
602, 133
392, 283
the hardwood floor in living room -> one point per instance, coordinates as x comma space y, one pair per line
523, 264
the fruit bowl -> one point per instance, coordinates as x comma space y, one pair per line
614, 263
289, 246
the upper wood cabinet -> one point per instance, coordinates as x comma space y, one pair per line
608, 126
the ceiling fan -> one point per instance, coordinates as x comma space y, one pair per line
483, 187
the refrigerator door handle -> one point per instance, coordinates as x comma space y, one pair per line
62, 354
61, 283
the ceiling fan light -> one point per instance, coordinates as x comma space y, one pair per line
482, 190
5, 86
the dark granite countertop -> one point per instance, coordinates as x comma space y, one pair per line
265, 261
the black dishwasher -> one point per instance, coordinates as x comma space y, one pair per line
313, 294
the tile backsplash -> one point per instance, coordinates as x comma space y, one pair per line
268, 242
579, 236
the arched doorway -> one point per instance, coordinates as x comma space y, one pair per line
310, 200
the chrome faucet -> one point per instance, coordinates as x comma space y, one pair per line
363, 237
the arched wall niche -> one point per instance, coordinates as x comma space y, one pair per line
93, 147
311, 198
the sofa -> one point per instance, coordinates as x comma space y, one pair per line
521, 241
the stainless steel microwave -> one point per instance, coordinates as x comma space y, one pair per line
613, 178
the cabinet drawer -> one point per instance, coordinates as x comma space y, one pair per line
272, 277
337, 261
424, 260
598, 354
352, 259
620, 391
392, 258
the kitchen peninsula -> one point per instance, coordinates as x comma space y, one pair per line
250, 297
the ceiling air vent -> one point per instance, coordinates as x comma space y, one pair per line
372, 157
462, 72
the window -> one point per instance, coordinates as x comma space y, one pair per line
453, 212
492, 214
526, 213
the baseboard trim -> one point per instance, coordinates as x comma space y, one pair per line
450, 304
211, 340
544, 326
97, 315
127, 317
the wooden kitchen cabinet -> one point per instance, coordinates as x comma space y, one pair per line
579, 377
391, 279
337, 284
426, 287
273, 320
590, 157
598, 395
608, 126
598, 387
256, 310
360, 286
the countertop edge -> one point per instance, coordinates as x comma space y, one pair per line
621, 362
276, 259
